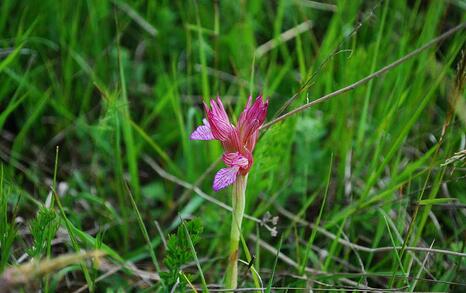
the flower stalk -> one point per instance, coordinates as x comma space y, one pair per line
238, 144
238, 203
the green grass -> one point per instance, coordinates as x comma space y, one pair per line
113, 83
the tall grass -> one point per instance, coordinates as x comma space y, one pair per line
358, 182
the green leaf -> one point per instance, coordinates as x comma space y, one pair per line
434, 201
179, 252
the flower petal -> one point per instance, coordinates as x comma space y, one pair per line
252, 117
203, 132
218, 120
220, 109
225, 177
235, 159
258, 110
220, 128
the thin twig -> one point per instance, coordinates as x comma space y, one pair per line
307, 289
351, 245
294, 264
22, 274
369, 77
312, 79
196, 189
134, 15
254, 271
111, 269
422, 268
159, 229
185, 195
284, 37
319, 5
284, 212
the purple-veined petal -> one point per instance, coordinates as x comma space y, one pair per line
258, 110
218, 119
203, 132
221, 109
221, 129
252, 117
232, 143
248, 104
218, 110
235, 159
225, 177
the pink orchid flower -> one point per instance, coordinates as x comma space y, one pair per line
238, 142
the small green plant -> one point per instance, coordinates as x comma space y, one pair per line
179, 253
43, 227
7, 230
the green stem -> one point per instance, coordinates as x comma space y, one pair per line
238, 199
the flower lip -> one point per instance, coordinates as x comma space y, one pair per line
235, 159
225, 177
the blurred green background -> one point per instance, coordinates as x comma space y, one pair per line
118, 85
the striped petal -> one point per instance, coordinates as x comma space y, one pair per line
251, 120
225, 177
218, 120
203, 132
235, 159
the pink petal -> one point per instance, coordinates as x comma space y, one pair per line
259, 110
218, 110
232, 143
221, 109
225, 177
248, 105
253, 116
250, 128
235, 159
218, 119
220, 128
202, 132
